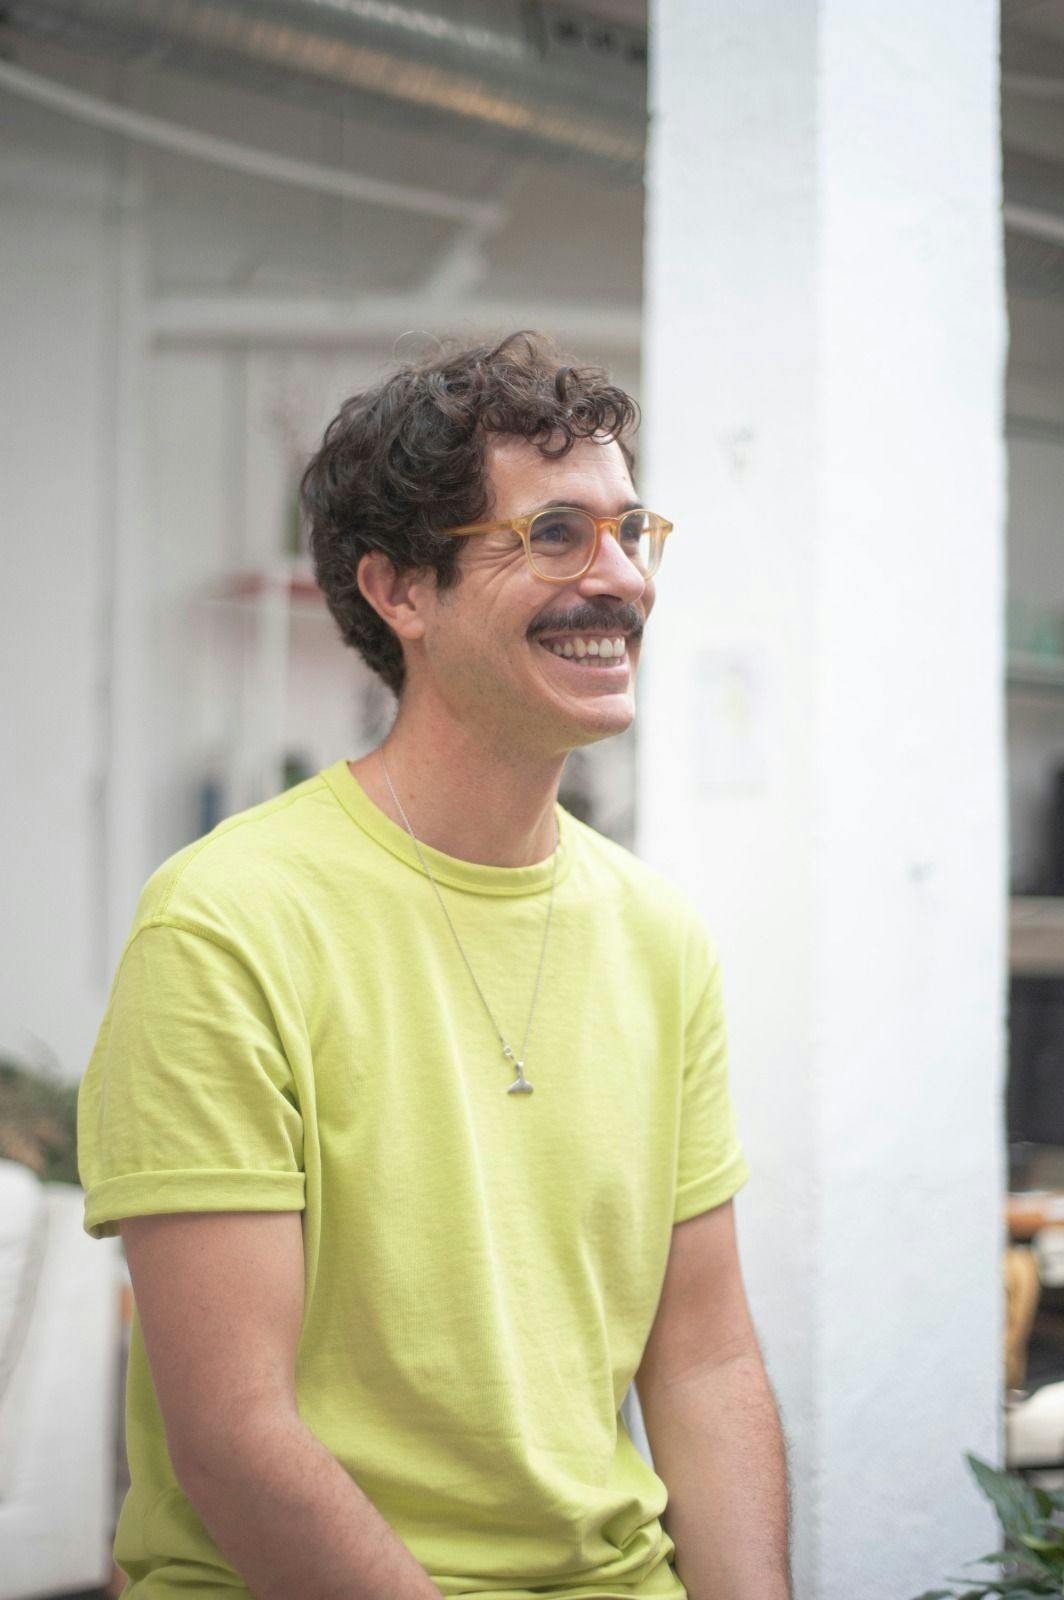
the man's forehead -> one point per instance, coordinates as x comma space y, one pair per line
515, 467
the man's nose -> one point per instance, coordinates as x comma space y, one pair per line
612, 572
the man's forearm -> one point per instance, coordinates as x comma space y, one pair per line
718, 1446
292, 1521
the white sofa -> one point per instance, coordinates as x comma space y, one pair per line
59, 1370
1034, 1430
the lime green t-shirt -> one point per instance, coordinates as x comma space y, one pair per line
292, 1027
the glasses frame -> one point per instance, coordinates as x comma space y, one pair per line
522, 527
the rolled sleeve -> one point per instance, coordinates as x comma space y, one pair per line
712, 1164
188, 1102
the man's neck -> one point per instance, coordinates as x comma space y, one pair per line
463, 796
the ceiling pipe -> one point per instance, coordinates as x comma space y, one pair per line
524, 87
238, 157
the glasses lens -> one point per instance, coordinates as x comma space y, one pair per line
640, 540
561, 542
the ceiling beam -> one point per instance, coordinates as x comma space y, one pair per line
220, 319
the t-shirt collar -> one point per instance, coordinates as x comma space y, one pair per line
473, 876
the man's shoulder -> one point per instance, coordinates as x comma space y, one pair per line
235, 870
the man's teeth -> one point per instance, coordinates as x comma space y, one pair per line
587, 647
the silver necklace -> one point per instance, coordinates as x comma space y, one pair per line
520, 1084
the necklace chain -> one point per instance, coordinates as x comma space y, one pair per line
521, 1083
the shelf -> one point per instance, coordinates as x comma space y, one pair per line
1028, 1210
1036, 936
292, 581
1041, 672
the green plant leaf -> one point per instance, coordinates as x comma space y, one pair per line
1049, 1560
38, 1120
1006, 1586
1012, 1498
980, 1594
1034, 1568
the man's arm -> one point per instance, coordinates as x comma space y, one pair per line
220, 1301
712, 1422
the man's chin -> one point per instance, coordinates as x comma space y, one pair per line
601, 716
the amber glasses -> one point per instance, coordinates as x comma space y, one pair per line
561, 542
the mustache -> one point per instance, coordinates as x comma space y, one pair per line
587, 619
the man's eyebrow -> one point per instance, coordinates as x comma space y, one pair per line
580, 505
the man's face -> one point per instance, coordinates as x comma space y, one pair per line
487, 649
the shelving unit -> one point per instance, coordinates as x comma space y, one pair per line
292, 581
1034, 684
1041, 673
1036, 936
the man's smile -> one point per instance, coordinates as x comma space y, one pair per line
593, 648
602, 656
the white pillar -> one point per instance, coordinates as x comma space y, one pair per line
821, 754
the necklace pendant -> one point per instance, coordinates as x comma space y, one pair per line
520, 1084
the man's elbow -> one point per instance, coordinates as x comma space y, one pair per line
208, 1455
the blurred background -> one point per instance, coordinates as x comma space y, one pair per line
220, 219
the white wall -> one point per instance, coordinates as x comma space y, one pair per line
821, 719
58, 357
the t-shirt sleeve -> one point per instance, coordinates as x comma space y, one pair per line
188, 1102
712, 1163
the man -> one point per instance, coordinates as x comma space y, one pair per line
411, 1099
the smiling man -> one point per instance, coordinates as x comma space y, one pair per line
411, 1099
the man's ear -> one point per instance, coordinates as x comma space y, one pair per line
399, 597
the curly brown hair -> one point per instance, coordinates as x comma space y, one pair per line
406, 458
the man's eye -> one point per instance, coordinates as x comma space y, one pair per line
559, 531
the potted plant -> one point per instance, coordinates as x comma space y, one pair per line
39, 1120
1033, 1565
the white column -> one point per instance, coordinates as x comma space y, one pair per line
821, 719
